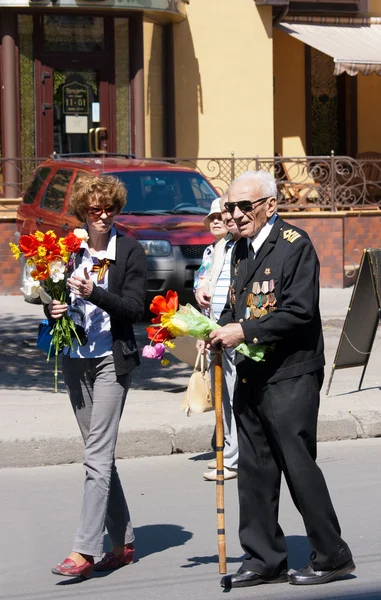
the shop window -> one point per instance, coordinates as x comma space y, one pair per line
331, 113
72, 33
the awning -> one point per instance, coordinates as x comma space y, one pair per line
354, 46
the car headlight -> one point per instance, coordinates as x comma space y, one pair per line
156, 247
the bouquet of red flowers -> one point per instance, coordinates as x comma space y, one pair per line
173, 320
48, 261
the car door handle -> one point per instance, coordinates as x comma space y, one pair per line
39, 221
65, 227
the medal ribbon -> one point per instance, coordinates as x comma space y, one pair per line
101, 268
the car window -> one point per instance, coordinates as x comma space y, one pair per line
54, 195
166, 192
35, 185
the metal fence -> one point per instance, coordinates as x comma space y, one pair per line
317, 183
311, 183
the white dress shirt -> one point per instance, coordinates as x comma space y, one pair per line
94, 320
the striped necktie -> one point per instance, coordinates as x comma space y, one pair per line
101, 268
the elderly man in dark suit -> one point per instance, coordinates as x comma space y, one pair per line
274, 300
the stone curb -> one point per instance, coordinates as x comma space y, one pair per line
165, 440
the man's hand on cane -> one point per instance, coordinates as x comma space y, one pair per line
228, 336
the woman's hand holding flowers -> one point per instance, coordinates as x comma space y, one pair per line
56, 309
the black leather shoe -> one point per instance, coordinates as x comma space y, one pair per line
244, 578
308, 576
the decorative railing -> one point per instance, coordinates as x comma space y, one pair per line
15, 174
308, 183
313, 183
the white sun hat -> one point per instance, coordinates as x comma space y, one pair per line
215, 208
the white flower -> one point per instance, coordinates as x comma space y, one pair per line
57, 270
46, 299
81, 234
31, 289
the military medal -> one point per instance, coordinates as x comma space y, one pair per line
256, 287
265, 287
256, 301
267, 271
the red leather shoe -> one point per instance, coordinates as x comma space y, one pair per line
110, 562
70, 569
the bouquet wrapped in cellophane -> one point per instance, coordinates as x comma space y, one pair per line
48, 261
173, 320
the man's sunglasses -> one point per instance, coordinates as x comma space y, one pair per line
98, 212
244, 206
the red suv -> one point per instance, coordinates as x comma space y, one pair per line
166, 205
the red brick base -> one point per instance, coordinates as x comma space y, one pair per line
9, 267
339, 240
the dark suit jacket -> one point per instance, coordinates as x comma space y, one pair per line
124, 300
294, 328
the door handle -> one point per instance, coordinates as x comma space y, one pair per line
97, 138
91, 131
39, 221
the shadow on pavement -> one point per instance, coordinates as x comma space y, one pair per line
24, 367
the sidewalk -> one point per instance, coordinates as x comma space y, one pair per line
37, 426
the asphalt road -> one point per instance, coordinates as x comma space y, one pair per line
175, 525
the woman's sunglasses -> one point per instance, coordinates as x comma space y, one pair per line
244, 206
98, 212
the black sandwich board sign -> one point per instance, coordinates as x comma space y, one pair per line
362, 318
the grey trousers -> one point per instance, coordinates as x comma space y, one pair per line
228, 387
97, 397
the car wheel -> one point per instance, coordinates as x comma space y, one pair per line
23, 278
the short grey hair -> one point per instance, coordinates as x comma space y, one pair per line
222, 200
265, 180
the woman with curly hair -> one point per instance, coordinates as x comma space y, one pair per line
107, 291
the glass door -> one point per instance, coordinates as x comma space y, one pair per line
75, 109
76, 112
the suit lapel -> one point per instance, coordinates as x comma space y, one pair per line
263, 251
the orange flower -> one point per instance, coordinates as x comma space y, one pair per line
50, 243
72, 243
162, 306
41, 272
28, 245
169, 304
158, 334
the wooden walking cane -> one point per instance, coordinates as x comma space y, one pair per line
220, 464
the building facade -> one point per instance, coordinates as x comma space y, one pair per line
194, 79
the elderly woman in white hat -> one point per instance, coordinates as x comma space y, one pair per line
213, 221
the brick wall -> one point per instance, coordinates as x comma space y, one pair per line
9, 267
326, 234
360, 231
339, 241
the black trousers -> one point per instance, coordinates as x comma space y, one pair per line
276, 426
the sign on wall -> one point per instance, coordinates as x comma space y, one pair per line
75, 99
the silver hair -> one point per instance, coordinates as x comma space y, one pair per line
222, 199
264, 179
